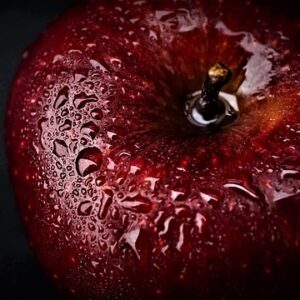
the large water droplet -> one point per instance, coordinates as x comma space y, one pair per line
82, 99
88, 160
90, 129
61, 98
60, 148
137, 204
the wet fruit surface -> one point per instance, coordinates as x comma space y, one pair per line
122, 197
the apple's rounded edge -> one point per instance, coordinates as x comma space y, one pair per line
9, 123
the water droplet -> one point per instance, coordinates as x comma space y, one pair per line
105, 203
82, 99
208, 197
289, 174
98, 65
73, 146
88, 160
64, 112
100, 180
60, 148
78, 117
131, 238
97, 114
239, 186
36, 148
152, 181
90, 129
177, 196
61, 98
199, 221
181, 238
42, 125
137, 204
66, 126
83, 141
167, 224
115, 213
111, 135
85, 208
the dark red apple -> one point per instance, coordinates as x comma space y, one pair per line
122, 195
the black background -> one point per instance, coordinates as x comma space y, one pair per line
20, 24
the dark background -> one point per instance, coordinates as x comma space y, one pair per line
20, 24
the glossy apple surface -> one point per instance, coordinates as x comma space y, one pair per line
123, 198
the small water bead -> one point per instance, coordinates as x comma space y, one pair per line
199, 221
91, 226
59, 165
88, 161
83, 191
65, 112
78, 117
42, 125
63, 175
177, 196
115, 214
83, 141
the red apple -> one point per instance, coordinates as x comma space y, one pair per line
122, 195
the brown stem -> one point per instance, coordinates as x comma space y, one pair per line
208, 102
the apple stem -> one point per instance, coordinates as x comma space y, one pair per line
206, 107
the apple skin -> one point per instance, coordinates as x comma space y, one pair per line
120, 196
